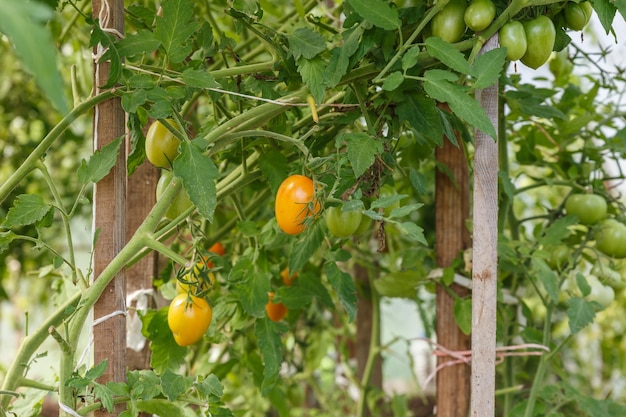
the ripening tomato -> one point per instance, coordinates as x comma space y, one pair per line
540, 35
479, 14
218, 248
577, 15
188, 318
611, 238
286, 277
293, 200
180, 203
161, 144
513, 38
342, 223
449, 23
275, 311
589, 208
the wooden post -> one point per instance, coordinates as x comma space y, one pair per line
109, 216
485, 257
452, 237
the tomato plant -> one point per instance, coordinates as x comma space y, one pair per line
589, 208
611, 238
161, 144
479, 14
449, 23
577, 15
540, 36
189, 317
181, 201
342, 223
512, 36
295, 194
275, 311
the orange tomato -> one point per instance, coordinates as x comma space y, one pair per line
292, 203
188, 318
218, 248
275, 311
287, 279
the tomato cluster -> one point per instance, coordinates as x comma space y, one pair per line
530, 40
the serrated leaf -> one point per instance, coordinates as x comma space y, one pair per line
312, 72
306, 247
439, 87
270, 345
487, 67
580, 313
199, 174
463, 314
210, 387
160, 407
409, 59
343, 284
175, 27
199, 79
173, 384
105, 395
5, 239
312, 284
393, 81
605, 9
100, 163
137, 153
144, 383
24, 23
378, 12
97, 371
387, 200
362, 150
413, 232
137, 43
305, 42
557, 231
166, 354
422, 114
340, 56
547, 277
448, 55
581, 281
27, 209
251, 286
399, 284
106, 42
405, 210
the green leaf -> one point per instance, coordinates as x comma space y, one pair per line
270, 345
304, 249
387, 200
100, 163
580, 313
581, 281
27, 209
312, 284
507, 184
252, 286
413, 232
137, 152
174, 28
166, 354
97, 371
422, 114
106, 42
547, 277
378, 12
448, 55
557, 231
160, 407
210, 387
105, 395
463, 314
24, 23
305, 42
362, 150
137, 43
173, 384
400, 284
439, 87
198, 173
601, 408
405, 210
343, 284
199, 79
487, 67
621, 6
144, 384
393, 81
340, 56
313, 75
5, 239
605, 9
409, 59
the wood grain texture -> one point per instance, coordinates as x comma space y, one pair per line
485, 257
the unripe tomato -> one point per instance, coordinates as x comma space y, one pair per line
286, 277
576, 15
558, 257
342, 223
611, 238
479, 14
275, 311
180, 203
513, 38
292, 203
600, 293
161, 144
540, 35
188, 318
449, 23
364, 226
589, 208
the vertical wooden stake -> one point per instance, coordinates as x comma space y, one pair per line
109, 215
452, 237
485, 257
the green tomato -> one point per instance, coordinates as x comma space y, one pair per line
576, 15
611, 238
449, 23
161, 145
364, 226
513, 38
540, 35
479, 14
342, 223
600, 293
181, 201
589, 208
558, 257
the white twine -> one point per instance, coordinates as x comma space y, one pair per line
91, 338
68, 410
104, 16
